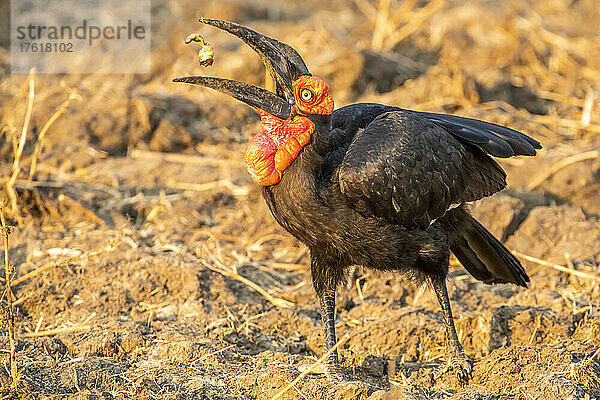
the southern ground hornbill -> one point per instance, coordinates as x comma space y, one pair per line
373, 185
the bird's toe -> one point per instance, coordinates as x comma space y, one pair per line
463, 368
459, 364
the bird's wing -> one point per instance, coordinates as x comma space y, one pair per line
493, 139
410, 169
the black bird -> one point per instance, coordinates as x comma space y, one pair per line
373, 185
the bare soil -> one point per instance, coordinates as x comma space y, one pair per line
141, 299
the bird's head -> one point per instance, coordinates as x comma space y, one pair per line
285, 114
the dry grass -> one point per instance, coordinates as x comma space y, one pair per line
110, 246
41, 136
18, 149
560, 64
8, 319
12, 194
569, 270
231, 272
565, 162
180, 158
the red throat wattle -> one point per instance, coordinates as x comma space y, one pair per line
275, 147
272, 150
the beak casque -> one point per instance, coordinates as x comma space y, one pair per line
283, 63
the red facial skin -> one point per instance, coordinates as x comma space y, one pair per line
322, 102
271, 151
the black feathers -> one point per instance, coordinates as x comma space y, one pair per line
484, 256
496, 140
410, 171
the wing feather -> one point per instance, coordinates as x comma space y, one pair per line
410, 170
495, 139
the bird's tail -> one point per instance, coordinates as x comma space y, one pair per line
484, 256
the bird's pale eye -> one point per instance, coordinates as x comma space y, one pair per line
307, 95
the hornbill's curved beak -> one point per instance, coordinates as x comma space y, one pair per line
283, 63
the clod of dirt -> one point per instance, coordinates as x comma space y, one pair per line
118, 340
549, 232
167, 137
560, 386
578, 183
392, 331
385, 71
524, 325
517, 96
499, 214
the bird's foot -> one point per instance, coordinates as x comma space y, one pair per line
460, 364
334, 372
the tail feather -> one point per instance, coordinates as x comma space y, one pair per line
485, 257
467, 256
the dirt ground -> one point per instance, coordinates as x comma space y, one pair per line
156, 246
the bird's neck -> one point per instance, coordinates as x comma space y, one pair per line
296, 199
310, 158
319, 137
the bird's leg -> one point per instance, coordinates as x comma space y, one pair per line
327, 303
455, 356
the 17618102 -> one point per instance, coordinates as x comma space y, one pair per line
47, 47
